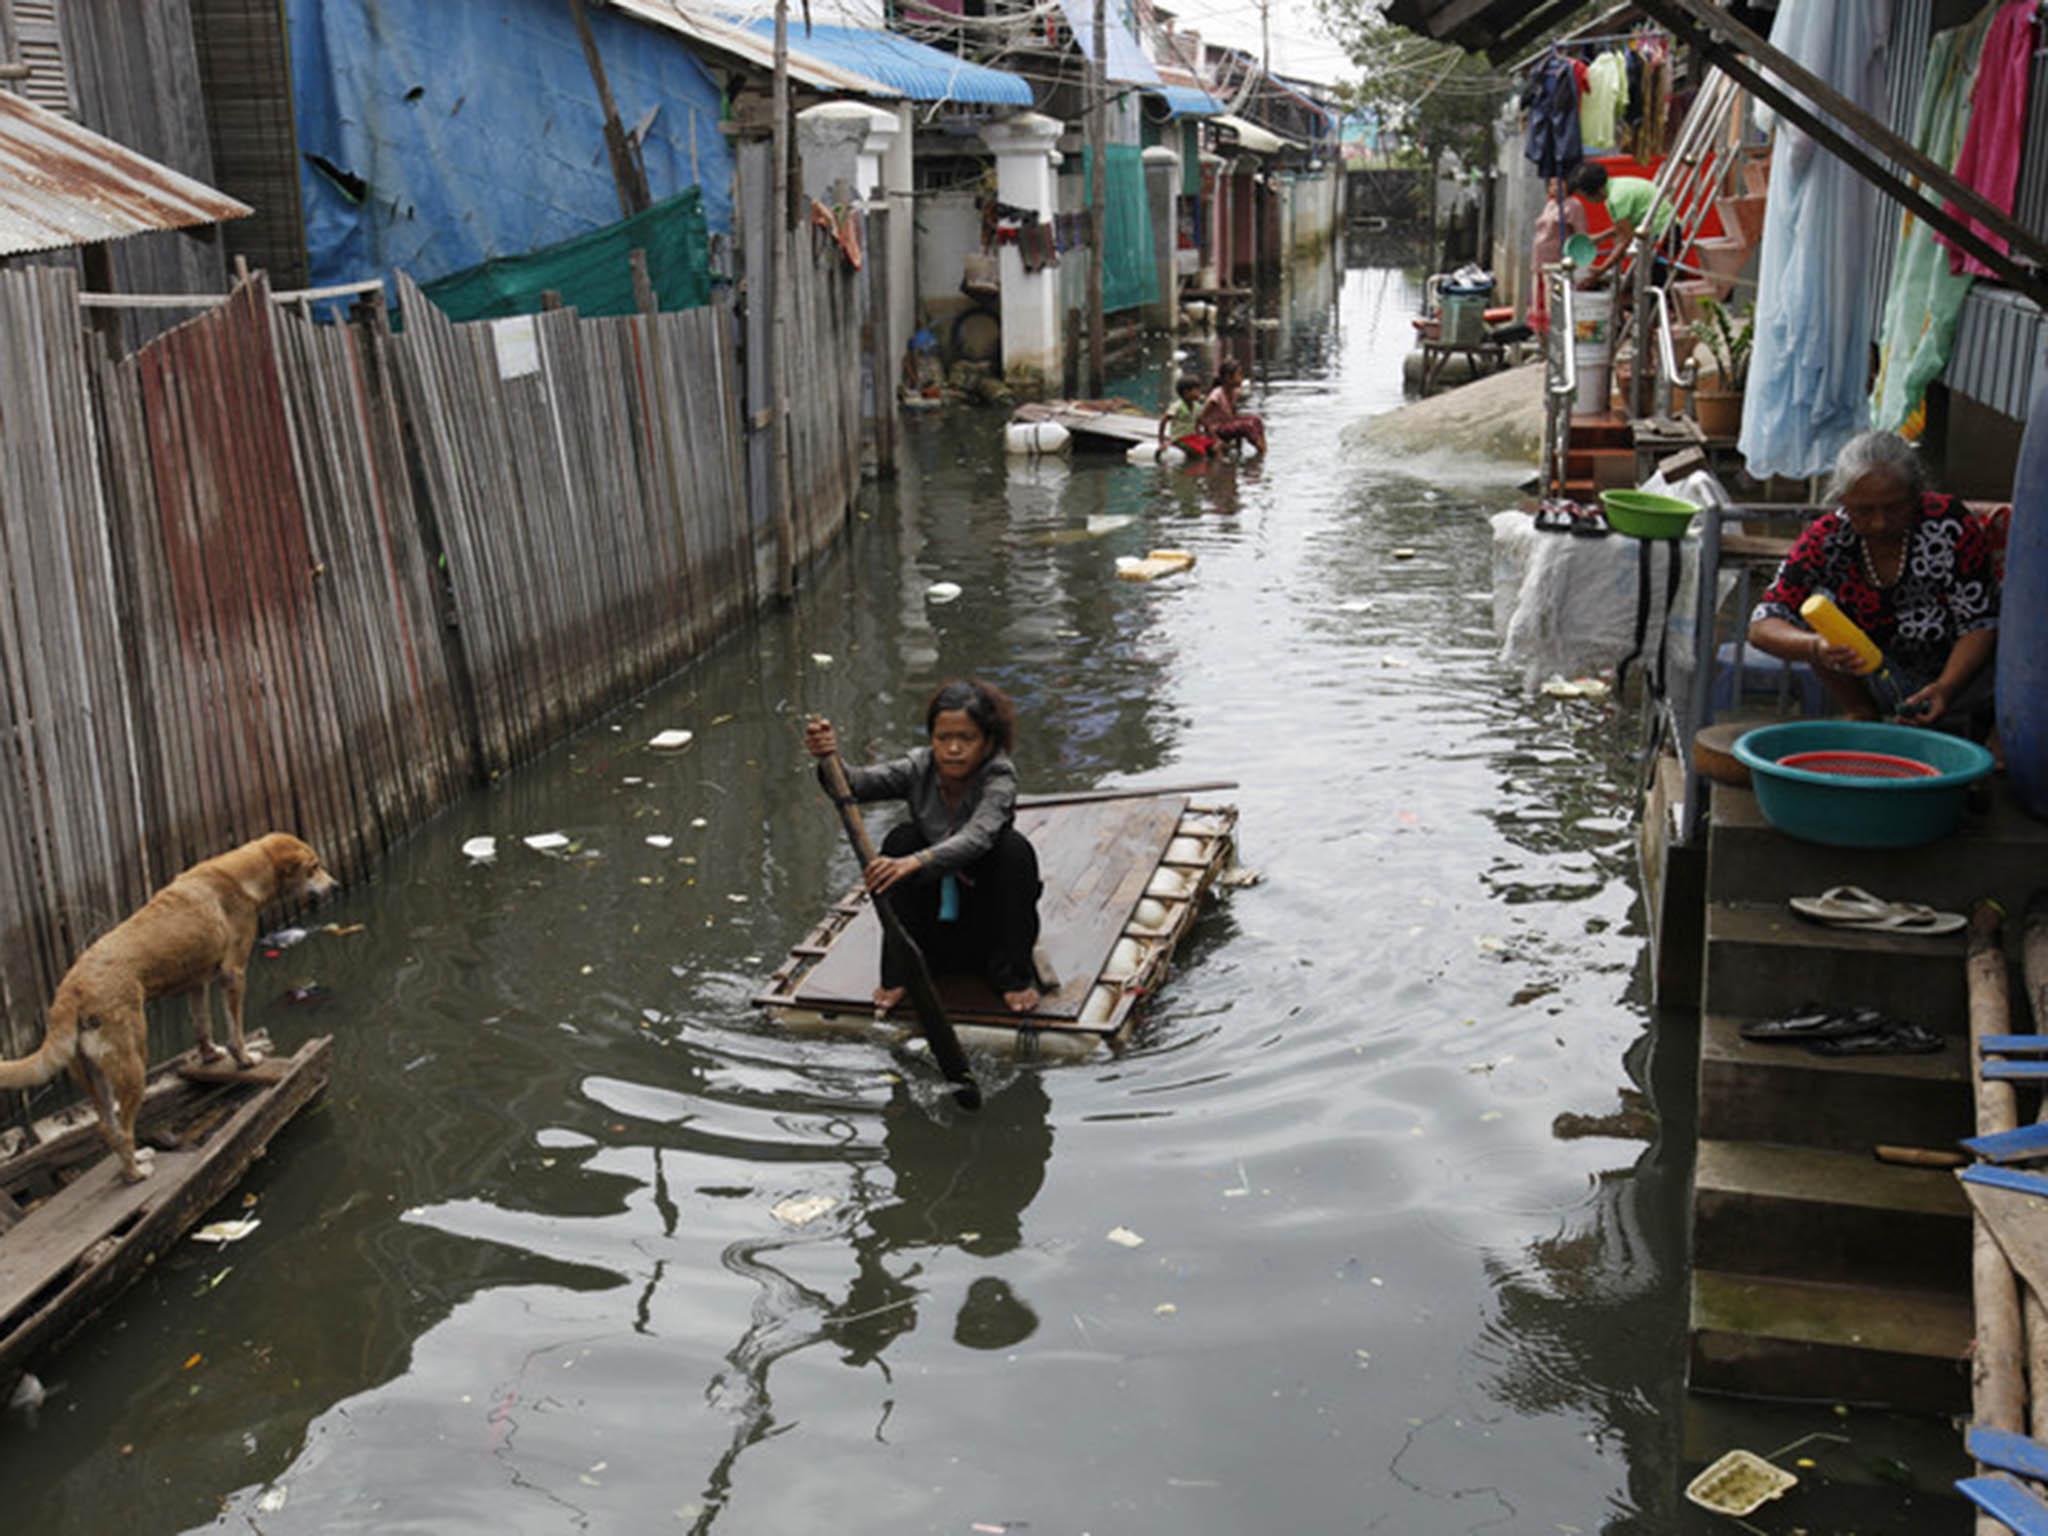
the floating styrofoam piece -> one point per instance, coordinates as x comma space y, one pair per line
1160, 562
659, 840
820, 659
481, 849
545, 842
1031, 438
1124, 1237
669, 741
227, 1231
1100, 523
799, 1210
942, 591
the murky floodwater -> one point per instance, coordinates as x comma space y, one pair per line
518, 1271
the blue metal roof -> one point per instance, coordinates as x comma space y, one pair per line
1187, 101
919, 71
1127, 61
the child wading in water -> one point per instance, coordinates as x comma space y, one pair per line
963, 879
1220, 414
1180, 425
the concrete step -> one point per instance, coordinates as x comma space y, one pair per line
1898, 1348
2001, 852
1763, 962
1843, 1218
1743, 217
1784, 1093
1603, 429
1607, 468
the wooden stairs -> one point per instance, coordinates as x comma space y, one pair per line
1819, 1272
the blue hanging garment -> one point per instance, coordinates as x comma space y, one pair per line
1552, 102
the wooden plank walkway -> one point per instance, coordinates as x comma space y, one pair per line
68, 1256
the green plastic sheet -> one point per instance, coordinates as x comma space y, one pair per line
1128, 275
593, 273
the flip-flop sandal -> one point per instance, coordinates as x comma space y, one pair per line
1893, 1039
1849, 906
1817, 1023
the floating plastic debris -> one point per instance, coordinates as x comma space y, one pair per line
800, 1210
820, 659
659, 840
545, 842
942, 591
669, 741
1403, 553
481, 849
1124, 1237
227, 1231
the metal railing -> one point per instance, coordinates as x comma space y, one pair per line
1562, 375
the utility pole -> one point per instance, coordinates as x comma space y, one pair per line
777, 296
1098, 156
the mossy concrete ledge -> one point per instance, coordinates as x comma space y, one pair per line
1498, 417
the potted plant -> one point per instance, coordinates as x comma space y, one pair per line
1728, 337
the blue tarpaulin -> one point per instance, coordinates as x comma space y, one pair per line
918, 70
436, 137
1187, 101
1127, 61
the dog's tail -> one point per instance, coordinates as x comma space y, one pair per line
60, 1044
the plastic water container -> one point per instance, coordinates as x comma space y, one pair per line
1593, 349
1464, 318
1029, 439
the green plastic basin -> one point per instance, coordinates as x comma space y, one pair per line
1844, 811
1644, 515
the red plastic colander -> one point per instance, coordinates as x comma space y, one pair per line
1861, 765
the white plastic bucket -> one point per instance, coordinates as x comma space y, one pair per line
1593, 350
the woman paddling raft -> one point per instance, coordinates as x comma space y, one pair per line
964, 879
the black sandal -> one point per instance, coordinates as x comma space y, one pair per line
1815, 1021
1895, 1038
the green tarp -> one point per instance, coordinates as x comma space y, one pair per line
594, 273
1128, 275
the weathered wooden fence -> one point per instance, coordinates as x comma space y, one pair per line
271, 574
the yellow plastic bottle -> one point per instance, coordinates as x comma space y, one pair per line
1837, 628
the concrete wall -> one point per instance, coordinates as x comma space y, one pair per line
948, 230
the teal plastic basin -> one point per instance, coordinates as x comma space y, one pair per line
1849, 812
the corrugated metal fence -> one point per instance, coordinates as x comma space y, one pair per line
270, 574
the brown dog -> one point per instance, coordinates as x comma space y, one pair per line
197, 930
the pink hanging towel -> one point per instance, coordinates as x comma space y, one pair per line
1990, 161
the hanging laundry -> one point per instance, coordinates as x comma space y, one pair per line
1600, 107
1632, 106
1926, 297
1809, 369
1990, 161
1551, 101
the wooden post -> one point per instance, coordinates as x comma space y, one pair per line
628, 175
2034, 972
1998, 1395
880, 352
1098, 154
779, 297
643, 285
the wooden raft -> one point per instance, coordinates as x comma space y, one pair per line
1099, 860
73, 1234
1093, 427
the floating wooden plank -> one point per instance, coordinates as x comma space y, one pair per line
75, 1251
1097, 860
1092, 427
2007, 1502
2015, 1146
2008, 1452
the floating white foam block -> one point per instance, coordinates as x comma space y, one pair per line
482, 849
545, 842
668, 741
942, 591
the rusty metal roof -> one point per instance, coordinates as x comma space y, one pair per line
62, 185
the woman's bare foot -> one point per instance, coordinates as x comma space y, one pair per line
1023, 1000
887, 998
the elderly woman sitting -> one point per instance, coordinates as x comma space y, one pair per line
1912, 570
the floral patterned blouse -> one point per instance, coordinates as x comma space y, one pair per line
1947, 586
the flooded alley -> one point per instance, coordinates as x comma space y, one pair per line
1412, 1225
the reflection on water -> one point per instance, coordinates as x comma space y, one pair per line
1404, 1264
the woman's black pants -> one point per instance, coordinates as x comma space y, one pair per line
997, 923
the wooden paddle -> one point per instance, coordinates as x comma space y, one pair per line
924, 997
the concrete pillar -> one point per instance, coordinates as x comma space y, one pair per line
1213, 221
899, 182
828, 143
1023, 147
1162, 180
